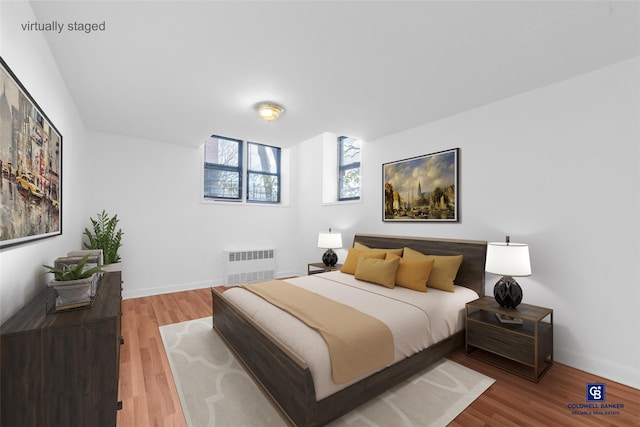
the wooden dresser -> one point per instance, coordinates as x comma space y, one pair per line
62, 369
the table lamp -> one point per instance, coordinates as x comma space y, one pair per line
329, 241
508, 260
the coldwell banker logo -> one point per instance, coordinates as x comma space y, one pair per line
596, 403
596, 392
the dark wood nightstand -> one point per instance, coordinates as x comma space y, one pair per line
319, 267
524, 349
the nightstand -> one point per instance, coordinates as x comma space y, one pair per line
525, 349
319, 267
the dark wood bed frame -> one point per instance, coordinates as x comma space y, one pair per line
287, 378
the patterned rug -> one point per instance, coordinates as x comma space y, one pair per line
215, 390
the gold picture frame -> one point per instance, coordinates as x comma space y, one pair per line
422, 189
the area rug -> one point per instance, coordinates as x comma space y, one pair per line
215, 390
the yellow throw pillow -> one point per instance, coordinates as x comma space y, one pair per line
378, 271
351, 263
444, 271
414, 273
366, 249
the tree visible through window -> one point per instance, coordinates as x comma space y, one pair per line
263, 173
348, 168
223, 168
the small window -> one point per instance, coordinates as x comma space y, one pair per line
348, 168
263, 173
223, 168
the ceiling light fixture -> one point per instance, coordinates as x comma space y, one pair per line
269, 110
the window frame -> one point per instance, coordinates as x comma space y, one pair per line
244, 172
344, 168
277, 174
226, 168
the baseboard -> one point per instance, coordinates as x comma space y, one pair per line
180, 287
622, 374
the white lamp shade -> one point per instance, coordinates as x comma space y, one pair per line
510, 259
329, 240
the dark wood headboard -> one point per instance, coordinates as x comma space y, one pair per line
474, 252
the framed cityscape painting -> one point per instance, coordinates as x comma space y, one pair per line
31, 164
423, 188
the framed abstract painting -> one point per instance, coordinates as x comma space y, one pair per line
423, 188
31, 164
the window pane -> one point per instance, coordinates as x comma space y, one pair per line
263, 175
224, 171
350, 151
221, 183
263, 188
222, 151
263, 158
223, 168
348, 168
350, 183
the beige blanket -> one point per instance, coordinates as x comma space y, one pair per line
358, 343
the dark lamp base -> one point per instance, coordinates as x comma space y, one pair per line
507, 292
330, 258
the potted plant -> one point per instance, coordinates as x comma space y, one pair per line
105, 236
74, 285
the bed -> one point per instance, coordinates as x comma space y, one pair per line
287, 376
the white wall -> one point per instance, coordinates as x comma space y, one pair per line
173, 241
556, 168
313, 215
30, 59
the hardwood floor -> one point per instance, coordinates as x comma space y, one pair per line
149, 395
147, 390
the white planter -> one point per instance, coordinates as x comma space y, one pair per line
112, 267
73, 291
65, 295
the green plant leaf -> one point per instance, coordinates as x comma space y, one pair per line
74, 271
104, 236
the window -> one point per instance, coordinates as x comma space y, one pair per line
263, 173
224, 170
348, 168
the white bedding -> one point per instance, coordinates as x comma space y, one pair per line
416, 319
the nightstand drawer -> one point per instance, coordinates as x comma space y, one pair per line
509, 344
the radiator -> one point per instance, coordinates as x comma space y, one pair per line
249, 266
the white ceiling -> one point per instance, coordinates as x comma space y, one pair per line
179, 71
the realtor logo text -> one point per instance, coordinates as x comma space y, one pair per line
595, 403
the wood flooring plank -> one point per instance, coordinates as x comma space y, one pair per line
150, 398
517, 401
147, 389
